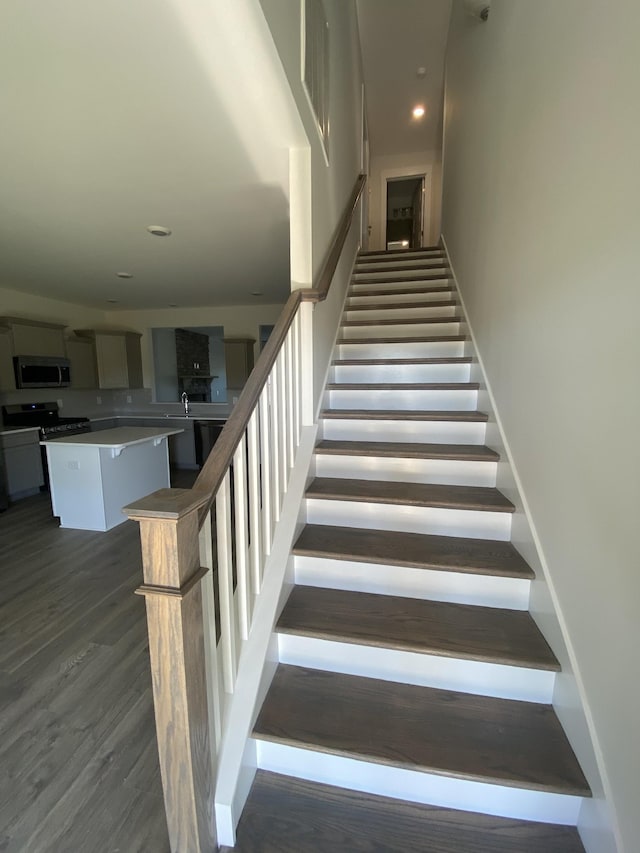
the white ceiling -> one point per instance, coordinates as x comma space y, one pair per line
124, 114
398, 37
128, 113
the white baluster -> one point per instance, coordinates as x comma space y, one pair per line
210, 642
282, 420
225, 584
297, 377
266, 466
290, 399
255, 547
240, 504
274, 435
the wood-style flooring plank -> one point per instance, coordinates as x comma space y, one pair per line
490, 634
285, 815
413, 550
520, 744
77, 736
482, 498
407, 450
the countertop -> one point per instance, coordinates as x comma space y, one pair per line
9, 431
115, 439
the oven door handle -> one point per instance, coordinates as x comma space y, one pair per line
59, 375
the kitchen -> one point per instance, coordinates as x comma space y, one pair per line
96, 377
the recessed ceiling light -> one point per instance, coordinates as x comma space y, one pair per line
256, 293
173, 305
418, 112
113, 301
124, 275
421, 72
158, 230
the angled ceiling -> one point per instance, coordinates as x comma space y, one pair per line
125, 114
398, 37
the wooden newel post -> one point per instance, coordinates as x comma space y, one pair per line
172, 589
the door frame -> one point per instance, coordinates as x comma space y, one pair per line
418, 171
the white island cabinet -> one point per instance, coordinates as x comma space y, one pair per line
94, 474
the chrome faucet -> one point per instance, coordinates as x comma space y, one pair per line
185, 403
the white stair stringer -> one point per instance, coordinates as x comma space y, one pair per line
416, 786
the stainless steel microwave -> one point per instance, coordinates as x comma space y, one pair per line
35, 371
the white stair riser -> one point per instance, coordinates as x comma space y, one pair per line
400, 349
374, 314
403, 255
410, 519
429, 584
400, 373
385, 281
428, 788
409, 266
401, 275
423, 670
405, 400
439, 432
452, 472
402, 330
436, 294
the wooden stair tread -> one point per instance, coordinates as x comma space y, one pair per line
422, 339
408, 415
402, 386
466, 631
408, 450
433, 303
461, 359
285, 815
481, 498
402, 291
454, 734
415, 266
404, 321
394, 279
413, 550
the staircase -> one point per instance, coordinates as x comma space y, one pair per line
411, 706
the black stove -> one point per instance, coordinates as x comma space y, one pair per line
44, 416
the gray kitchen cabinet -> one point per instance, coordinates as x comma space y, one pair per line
81, 352
35, 337
7, 378
23, 462
118, 357
238, 357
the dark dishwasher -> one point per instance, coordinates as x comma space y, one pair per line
206, 434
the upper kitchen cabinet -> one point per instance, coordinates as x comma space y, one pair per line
7, 379
81, 352
238, 354
34, 337
118, 357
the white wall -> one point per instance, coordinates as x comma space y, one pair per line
330, 185
16, 304
540, 214
396, 165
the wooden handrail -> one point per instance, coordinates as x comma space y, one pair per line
218, 462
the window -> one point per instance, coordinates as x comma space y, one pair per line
315, 65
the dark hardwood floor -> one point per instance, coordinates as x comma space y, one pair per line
78, 759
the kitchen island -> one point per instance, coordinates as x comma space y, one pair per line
95, 474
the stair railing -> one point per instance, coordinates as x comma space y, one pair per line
200, 587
